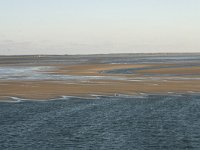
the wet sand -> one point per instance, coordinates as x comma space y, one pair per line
145, 78
179, 71
47, 90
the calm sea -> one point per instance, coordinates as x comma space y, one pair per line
148, 122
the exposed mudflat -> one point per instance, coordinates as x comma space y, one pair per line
47, 77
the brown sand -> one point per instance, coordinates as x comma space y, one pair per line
94, 69
45, 90
52, 89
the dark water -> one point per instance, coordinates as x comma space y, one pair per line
152, 122
107, 58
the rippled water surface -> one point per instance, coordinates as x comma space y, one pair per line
147, 122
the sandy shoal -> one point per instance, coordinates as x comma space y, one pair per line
46, 90
94, 69
52, 89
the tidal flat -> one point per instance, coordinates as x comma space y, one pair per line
46, 77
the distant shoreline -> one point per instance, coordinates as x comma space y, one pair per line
104, 54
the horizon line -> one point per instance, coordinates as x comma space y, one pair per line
99, 54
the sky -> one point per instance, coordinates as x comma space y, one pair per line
99, 26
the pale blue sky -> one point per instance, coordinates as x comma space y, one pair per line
99, 26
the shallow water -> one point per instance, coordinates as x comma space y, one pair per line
33, 73
124, 122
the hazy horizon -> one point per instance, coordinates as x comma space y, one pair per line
99, 27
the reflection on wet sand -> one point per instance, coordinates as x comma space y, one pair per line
49, 80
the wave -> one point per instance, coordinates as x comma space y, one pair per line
13, 99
